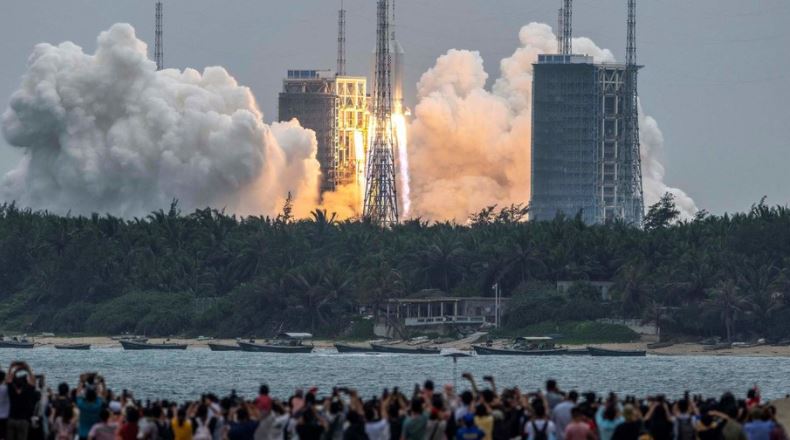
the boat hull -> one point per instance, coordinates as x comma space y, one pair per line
130, 345
263, 348
12, 344
223, 347
616, 353
73, 347
343, 348
490, 351
403, 350
578, 352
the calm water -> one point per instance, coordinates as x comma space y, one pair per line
186, 374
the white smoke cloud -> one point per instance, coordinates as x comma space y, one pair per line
471, 146
108, 133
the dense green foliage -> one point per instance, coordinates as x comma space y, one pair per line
576, 332
211, 273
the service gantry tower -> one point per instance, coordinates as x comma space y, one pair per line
381, 201
159, 54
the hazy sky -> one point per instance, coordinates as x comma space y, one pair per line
716, 75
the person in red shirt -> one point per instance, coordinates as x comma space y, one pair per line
753, 397
264, 402
129, 428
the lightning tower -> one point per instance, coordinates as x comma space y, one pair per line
636, 207
159, 54
381, 205
341, 41
566, 27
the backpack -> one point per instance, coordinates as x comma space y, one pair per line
540, 434
202, 432
685, 429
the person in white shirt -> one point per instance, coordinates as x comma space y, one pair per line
561, 414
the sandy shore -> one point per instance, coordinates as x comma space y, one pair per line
684, 349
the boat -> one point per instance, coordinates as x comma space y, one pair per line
16, 342
283, 343
655, 345
403, 349
346, 348
577, 352
483, 350
595, 351
129, 344
73, 346
223, 347
524, 346
454, 353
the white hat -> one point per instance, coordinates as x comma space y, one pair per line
115, 407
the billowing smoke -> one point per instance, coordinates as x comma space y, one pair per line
470, 147
108, 133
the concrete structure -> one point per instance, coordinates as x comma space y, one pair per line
310, 98
585, 134
581, 154
442, 315
336, 108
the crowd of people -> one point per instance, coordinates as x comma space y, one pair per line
29, 410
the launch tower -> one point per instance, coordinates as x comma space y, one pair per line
381, 205
159, 54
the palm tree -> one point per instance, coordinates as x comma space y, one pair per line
726, 300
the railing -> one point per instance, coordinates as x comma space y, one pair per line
439, 320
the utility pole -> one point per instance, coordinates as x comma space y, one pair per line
159, 54
341, 41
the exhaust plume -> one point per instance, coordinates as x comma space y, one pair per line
471, 146
108, 133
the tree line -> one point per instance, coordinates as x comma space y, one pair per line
208, 272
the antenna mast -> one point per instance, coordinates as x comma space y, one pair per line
341, 41
381, 205
159, 55
637, 207
567, 27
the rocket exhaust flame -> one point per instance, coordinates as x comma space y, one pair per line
401, 140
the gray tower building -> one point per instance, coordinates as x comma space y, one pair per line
312, 99
581, 150
585, 133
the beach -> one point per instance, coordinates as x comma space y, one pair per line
680, 349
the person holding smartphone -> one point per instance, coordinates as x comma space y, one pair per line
22, 397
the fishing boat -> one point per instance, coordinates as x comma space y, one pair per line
128, 344
403, 349
16, 342
73, 346
595, 351
524, 346
577, 352
346, 348
283, 343
223, 347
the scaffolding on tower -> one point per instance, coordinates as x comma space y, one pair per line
381, 206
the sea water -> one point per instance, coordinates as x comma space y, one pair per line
185, 375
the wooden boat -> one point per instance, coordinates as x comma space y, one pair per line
133, 345
486, 351
16, 343
275, 347
73, 346
223, 347
403, 349
577, 352
594, 351
345, 348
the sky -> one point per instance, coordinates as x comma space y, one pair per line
715, 78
